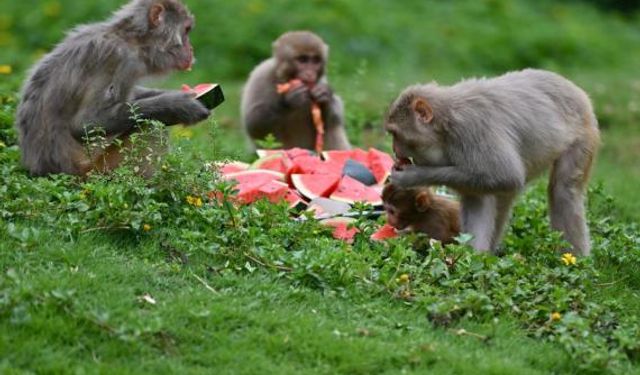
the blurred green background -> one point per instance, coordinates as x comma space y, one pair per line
380, 46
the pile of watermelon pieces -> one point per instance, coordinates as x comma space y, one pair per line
324, 184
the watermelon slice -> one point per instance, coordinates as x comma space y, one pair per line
338, 156
253, 175
380, 164
360, 155
209, 94
350, 190
292, 153
313, 165
230, 166
278, 162
384, 232
313, 186
273, 191
294, 200
341, 230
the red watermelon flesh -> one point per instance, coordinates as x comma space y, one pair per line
200, 89
360, 155
294, 199
338, 156
341, 229
253, 175
231, 167
384, 232
313, 165
278, 162
350, 190
341, 156
380, 164
273, 191
292, 153
313, 186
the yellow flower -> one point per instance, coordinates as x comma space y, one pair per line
146, 227
194, 201
556, 316
5, 69
568, 259
404, 278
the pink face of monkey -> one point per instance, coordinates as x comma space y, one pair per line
309, 67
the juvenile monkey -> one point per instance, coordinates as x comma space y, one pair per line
88, 82
420, 210
297, 55
487, 138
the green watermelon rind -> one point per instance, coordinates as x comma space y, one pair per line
299, 184
277, 176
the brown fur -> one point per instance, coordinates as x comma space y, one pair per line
420, 210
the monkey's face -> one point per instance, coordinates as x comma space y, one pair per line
416, 134
169, 37
300, 55
405, 207
309, 67
182, 47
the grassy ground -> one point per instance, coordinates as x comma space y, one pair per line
84, 288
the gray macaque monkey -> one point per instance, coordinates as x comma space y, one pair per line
297, 55
89, 80
487, 138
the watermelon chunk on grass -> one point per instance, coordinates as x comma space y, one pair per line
341, 228
273, 191
384, 232
313, 186
350, 191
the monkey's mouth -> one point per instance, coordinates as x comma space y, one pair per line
401, 163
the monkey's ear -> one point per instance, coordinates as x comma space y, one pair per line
423, 110
423, 201
156, 15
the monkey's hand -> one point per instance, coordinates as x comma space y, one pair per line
409, 176
297, 97
174, 107
321, 93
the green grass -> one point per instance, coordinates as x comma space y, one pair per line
247, 290
242, 324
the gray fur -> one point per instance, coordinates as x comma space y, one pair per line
88, 80
490, 137
288, 117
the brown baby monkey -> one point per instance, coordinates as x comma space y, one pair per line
419, 209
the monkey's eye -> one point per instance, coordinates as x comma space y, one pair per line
187, 29
303, 59
316, 59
